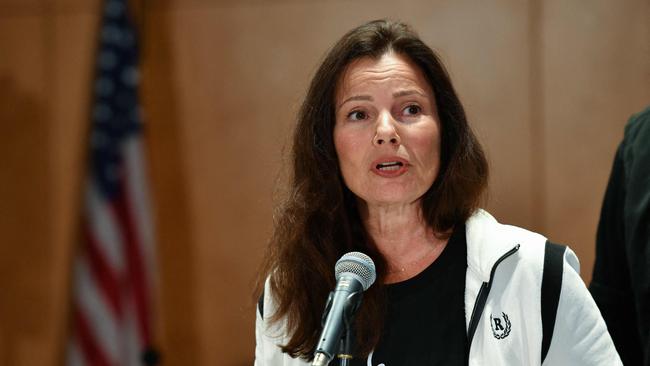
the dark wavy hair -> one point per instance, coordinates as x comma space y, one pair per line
318, 220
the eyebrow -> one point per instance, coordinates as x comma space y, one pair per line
398, 94
353, 98
407, 92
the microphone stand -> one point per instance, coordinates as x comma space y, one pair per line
345, 352
345, 348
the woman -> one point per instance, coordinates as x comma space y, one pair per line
385, 163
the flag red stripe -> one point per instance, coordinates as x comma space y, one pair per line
90, 349
107, 279
135, 262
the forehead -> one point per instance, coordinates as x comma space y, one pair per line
391, 69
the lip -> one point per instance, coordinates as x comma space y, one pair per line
390, 173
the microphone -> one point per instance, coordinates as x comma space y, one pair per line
355, 273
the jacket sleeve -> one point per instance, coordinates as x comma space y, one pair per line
269, 336
580, 336
263, 350
259, 342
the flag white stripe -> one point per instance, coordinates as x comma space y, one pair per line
140, 204
104, 228
93, 306
132, 344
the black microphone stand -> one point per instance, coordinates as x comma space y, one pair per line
345, 352
347, 340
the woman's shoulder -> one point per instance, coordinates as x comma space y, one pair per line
488, 238
482, 226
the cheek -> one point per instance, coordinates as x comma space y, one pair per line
349, 150
427, 145
428, 140
347, 146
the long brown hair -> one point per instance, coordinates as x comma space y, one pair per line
318, 221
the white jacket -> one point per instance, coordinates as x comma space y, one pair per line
512, 309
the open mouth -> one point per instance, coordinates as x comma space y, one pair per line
389, 165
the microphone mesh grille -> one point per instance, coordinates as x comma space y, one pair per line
358, 264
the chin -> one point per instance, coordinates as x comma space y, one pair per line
392, 199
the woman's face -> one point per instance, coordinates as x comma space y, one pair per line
387, 131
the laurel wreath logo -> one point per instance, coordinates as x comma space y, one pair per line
507, 329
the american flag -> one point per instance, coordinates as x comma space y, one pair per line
113, 269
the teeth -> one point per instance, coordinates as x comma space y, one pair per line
392, 165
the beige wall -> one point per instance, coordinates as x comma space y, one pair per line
548, 85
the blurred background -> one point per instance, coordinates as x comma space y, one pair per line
548, 86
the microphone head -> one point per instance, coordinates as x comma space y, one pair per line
359, 265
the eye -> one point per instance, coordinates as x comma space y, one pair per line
412, 110
357, 115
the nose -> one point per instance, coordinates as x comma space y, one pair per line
386, 132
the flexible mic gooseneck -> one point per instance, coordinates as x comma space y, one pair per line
355, 273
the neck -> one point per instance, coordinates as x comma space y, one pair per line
403, 237
394, 227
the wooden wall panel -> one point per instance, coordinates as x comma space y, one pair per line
13, 8
177, 311
25, 311
597, 73
72, 43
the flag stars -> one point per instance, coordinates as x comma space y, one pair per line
125, 100
128, 39
104, 86
111, 173
111, 34
130, 76
107, 60
114, 8
102, 112
98, 140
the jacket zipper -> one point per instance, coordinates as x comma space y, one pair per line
481, 299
